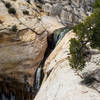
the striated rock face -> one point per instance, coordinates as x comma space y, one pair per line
63, 83
69, 11
18, 58
21, 49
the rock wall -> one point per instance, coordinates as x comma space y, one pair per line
23, 41
21, 48
70, 12
19, 45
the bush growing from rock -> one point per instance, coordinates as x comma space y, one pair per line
7, 4
12, 11
77, 50
25, 12
14, 28
86, 32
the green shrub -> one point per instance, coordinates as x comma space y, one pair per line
7, 4
14, 28
12, 11
77, 51
97, 4
86, 32
25, 12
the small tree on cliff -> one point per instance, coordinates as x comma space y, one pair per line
86, 32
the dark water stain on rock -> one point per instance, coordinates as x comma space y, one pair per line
11, 89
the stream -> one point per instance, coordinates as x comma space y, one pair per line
53, 41
9, 91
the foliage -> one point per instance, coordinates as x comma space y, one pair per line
7, 4
77, 60
12, 11
14, 28
97, 4
86, 32
25, 12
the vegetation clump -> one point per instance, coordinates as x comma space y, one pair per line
25, 12
77, 50
14, 28
7, 4
87, 32
12, 11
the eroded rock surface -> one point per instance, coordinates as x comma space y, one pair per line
69, 11
21, 50
23, 41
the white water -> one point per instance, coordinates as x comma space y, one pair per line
38, 78
4, 97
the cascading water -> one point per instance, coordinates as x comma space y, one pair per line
38, 78
59, 34
3, 96
52, 42
14, 91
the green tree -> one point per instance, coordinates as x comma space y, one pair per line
77, 51
7, 4
97, 4
12, 11
86, 32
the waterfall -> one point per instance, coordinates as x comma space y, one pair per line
53, 41
59, 34
38, 78
3, 96
14, 91
12, 96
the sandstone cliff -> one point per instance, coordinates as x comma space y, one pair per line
23, 41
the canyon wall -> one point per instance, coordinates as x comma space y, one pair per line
70, 12
23, 41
